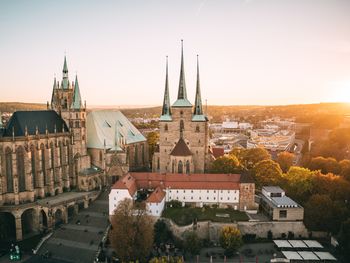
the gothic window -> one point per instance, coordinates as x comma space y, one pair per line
188, 167
33, 162
65, 104
143, 153
166, 127
20, 169
9, 174
181, 113
83, 124
76, 116
197, 128
68, 153
136, 155
77, 124
180, 167
43, 169
158, 164
100, 156
182, 125
52, 146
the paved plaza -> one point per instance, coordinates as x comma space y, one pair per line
78, 240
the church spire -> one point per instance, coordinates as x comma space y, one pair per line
166, 111
53, 97
76, 104
182, 100
65, 81
198, 109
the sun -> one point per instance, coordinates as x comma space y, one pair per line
339, 91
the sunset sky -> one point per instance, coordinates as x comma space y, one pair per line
250, 51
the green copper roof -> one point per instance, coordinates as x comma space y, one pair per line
76, 104
182, 103
198, 109
199, 118
65, 81
165, 118
166, 110
182, 100
111, 130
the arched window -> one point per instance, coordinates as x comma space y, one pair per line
180, 167
33, 164
158, 164
9, 174
20, 169
61, 153
197, 128
43, 167
100, 156
65, 104
52, 159
188, 167
182, 125
166, 127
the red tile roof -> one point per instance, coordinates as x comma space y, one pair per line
218, 151
182, 181
126, 182
157, 196
181, 149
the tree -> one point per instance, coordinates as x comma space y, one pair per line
131, 234
253, 156
192, 243
230, 239
152, 140
226, 164
326, 165
323, 214
162, 233
267, 172
299, 183
344, 239
285, 160
345, 169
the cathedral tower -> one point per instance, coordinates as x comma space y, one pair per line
184, 134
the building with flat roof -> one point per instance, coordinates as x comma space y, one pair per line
278, 206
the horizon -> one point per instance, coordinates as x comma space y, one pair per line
250, 52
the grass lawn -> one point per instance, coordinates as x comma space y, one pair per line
185, 215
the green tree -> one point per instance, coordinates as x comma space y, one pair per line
162, 233
226, 164
192, 243
131, 234
267, 172
285, 160
323, 214
230, 239
252, 156
299, 183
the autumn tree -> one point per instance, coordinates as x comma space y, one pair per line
252, 156
152, 140
226, 164
345, 169
325, 165
230, 239
267, 172
285, 160
299, 183
131, 233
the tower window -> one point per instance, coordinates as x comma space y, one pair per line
166, 127
197, 128
182, 125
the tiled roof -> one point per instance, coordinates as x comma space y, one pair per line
126, 182
218, 151
182, 181
181, 149
157, 196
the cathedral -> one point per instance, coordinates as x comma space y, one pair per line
184, 131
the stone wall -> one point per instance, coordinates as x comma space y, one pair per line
211, 230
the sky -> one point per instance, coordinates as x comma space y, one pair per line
262, 52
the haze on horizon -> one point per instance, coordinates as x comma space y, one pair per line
261, 52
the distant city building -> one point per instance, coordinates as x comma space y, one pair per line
234, 190
278, 206
271, 140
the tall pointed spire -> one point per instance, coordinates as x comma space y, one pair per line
166, 110
182, 100
65, 81
76, 104
198, 109
53, 97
